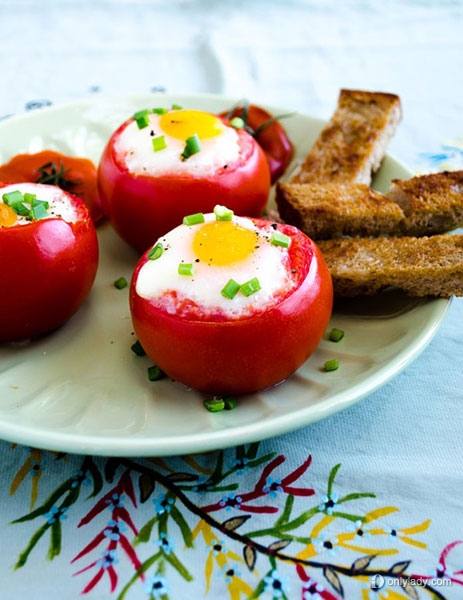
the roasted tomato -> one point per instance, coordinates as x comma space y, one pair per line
174, 163
70, 173
270, 134
49, 258
230, 306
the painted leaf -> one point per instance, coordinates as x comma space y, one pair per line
399, 567
250, 556
279, 545
362, 563
182, 477
146, 485
332, 578
409, 589
235, 522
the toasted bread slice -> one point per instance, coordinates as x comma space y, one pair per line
352, 145
431, 203
421, 266
329, 210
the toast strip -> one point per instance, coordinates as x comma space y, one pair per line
423, 266
431, 203
352, 145
330, 210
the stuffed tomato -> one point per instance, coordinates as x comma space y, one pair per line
49, 258
230, 305
162, 164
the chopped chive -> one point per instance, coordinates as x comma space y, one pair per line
230, 289
250, 287
222, 213
121, 283
237, 123
192, 146
214, 404
39, 209
194, 219
12, 197
159, 143
331, 365
26, 206
230, 403
141, 118
155, 373
185, 269
30, 198
159, 111
138, 349
156, 251
21, 209
336, 335
280, 239
176, 107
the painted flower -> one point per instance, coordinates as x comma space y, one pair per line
276, 584
115, 528
157, 586
163, 503
312, 591
360, 529
450, 157
109, 558
201, 486
217, 547
324, 544
167, 544
394, 532
80, 478
329, 503
231, 501
56, 513
229, 572
240, 466
116, 501
36, 467
272, 487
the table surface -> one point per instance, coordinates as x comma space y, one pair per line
372, 494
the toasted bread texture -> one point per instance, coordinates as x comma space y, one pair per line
421, 266
423, 205
329, 210
431, 203
352, 145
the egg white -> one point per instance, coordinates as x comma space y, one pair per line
60, 205
267, 262
135, 147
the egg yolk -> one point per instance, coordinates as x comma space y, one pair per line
8, 217
223, 243
182, 124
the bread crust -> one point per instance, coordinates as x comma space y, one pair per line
431, 203
420, 266
351, 146
328, 210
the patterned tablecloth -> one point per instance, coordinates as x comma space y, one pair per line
366, 504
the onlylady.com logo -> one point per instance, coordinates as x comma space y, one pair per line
378, 581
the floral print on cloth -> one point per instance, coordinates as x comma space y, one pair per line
258, 528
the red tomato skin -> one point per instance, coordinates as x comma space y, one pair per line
25, 168
273, 138
244, 355
142, 208
48, 269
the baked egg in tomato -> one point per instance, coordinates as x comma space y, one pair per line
162, 164
228, 304
49, 258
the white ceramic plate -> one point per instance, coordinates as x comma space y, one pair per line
82, 390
